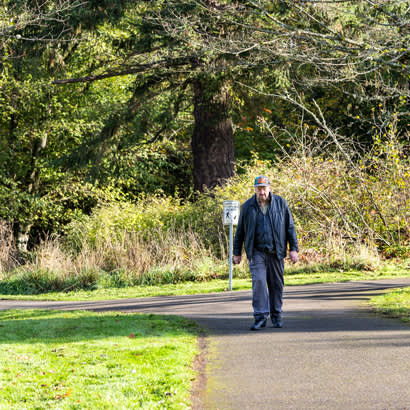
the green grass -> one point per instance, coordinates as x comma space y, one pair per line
395, 303
307, 278
183, 288
292, 277
86, 360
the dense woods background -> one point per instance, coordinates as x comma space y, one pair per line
126, 117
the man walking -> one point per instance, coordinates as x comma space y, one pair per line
265, 228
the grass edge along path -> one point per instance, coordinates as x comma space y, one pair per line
216, 285
87, 360
394, 303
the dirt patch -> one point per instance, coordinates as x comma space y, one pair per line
198, 389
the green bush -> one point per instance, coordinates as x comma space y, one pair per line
113, 221
34, 282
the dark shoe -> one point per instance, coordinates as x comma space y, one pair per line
259, 324
277, 322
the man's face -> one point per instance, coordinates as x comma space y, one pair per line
262, 193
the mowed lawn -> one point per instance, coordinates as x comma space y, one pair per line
86, 360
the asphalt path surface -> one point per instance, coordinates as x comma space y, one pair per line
332, 353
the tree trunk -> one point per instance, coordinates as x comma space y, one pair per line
212, 139
22, 229
22, 237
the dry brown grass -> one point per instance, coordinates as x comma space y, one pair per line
175, 250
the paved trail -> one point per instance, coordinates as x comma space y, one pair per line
332, 352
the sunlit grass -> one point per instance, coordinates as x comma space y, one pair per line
395, 303
86, 360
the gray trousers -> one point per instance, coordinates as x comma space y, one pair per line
267, 284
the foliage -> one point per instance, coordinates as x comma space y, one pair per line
147, 169
333, 75
47, 177
35, 282
347, 214
68, 360
38, 126
112, 222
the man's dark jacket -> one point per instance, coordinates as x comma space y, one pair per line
281, 221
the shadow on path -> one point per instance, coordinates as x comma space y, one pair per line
312, 308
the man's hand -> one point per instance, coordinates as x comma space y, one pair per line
237, 259
294, 257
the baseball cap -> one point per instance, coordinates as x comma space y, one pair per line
261, 180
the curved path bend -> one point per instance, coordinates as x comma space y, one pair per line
332, 353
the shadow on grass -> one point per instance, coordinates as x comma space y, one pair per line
49, 326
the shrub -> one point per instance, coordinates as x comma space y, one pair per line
110, 222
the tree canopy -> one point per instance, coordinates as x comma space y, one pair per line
104, 99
